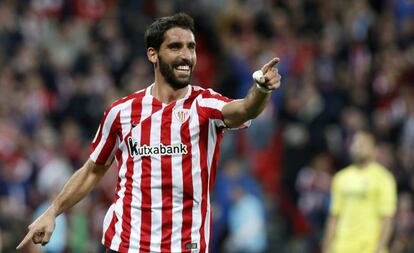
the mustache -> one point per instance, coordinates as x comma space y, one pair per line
182, 62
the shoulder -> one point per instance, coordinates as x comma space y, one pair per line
344, 175
344, 172
204, 93
382, 172
121, 103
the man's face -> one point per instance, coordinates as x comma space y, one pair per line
362, 147
177, 57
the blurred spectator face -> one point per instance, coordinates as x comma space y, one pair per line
176, 57
362, 147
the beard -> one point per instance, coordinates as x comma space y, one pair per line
167, 70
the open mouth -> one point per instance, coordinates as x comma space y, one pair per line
184, 69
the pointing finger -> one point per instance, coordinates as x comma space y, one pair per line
26, 239
270, 64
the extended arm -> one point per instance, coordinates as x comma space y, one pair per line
387, 223
330, 230
81, 183
239, 111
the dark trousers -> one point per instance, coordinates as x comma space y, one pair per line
110, 251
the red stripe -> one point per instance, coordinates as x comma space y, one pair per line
99, 134
203, 147
136, 109
209, 94
188, 191
146, 220
212, 113
166, 177
110, 232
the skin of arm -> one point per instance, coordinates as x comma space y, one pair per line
330, 231
239, 111
80, 184
387, 224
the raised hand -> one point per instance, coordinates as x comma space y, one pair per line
269, 76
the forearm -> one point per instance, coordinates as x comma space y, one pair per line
80, 184
387, 224
255, 102
330, 229
242, 110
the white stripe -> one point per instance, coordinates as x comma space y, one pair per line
136, 182
107, 221
135, 204
197, 88
124, 116
106, 128
119, 204
207, 224
213, 103
135, 237
212, 141
177, 182
196, 174
156, 183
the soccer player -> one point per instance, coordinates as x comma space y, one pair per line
165, 142
363, 203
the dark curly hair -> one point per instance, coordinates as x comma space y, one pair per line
154, 35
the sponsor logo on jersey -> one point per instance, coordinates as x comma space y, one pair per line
145, 150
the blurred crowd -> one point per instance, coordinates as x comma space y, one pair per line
345, 65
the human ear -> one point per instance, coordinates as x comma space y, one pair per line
152, 55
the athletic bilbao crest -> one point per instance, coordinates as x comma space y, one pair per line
181, 114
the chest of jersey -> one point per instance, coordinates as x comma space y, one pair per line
157, 130
360, 188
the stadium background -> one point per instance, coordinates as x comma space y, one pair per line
345, 65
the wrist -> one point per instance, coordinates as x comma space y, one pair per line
258, 79
262, 88
53, 210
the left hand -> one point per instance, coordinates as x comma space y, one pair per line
271, 78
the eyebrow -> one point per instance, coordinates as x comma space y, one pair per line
173, 44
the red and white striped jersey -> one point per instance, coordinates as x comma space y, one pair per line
166, 155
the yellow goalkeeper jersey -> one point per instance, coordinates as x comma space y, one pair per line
360, 199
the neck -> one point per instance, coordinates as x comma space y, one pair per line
164, 92
363, 163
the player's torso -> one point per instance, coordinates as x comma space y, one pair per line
359, 222
164, 160
161, 142
359, 189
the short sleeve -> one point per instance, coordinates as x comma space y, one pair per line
336, 197
212, 103
106, 140
387, 195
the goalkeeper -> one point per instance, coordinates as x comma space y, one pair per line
363, 203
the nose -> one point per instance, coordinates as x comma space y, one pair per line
186, 53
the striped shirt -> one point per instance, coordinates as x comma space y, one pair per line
166, 155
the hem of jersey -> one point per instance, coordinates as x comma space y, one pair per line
126, 250
105, 244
